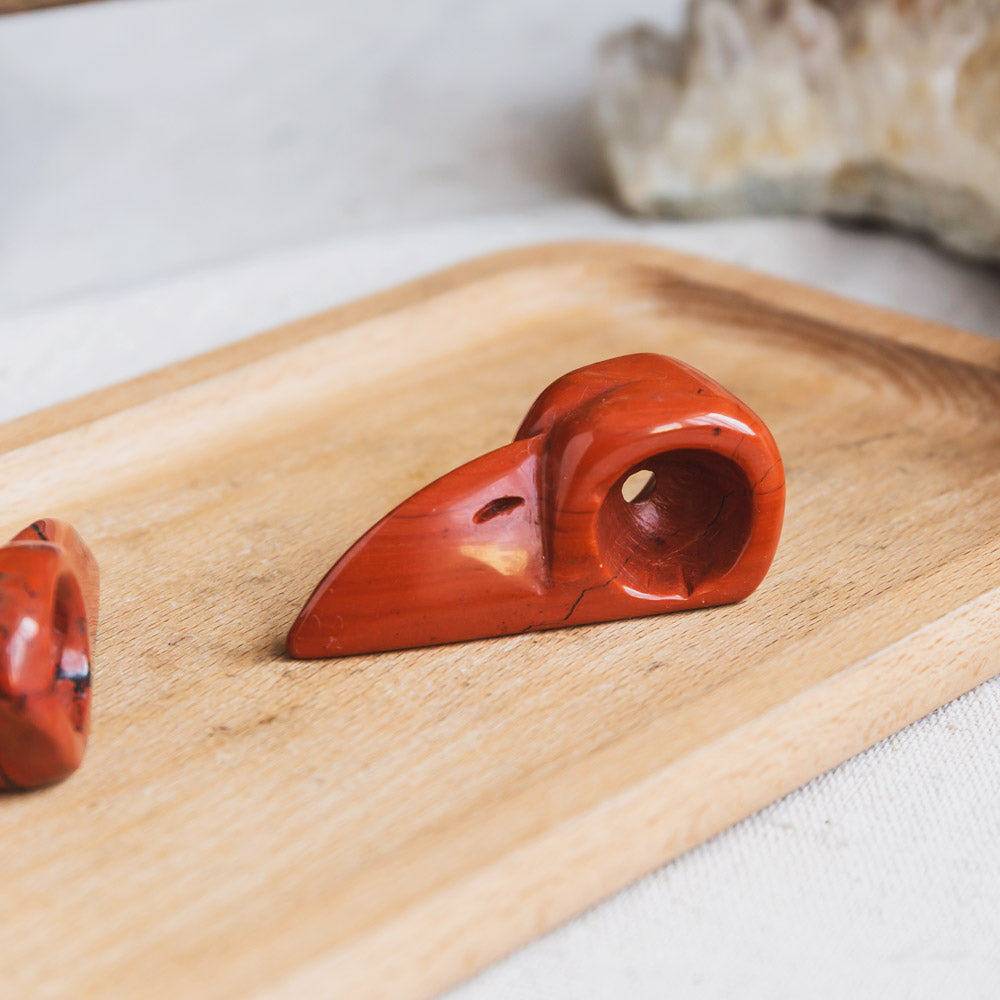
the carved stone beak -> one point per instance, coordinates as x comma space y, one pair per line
542, 534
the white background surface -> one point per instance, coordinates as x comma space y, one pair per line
176, 174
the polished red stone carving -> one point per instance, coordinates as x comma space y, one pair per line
48, 614
544, 533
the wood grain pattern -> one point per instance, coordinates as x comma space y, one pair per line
386, 825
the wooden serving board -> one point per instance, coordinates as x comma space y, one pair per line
386, 825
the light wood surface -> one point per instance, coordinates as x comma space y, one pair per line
244, 824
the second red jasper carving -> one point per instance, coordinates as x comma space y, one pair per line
48, 612
634, 487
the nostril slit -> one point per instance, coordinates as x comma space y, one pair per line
502, 505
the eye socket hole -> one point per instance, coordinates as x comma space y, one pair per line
639, 486
687, 526
69, 629
495, 508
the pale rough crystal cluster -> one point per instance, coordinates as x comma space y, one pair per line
884, 109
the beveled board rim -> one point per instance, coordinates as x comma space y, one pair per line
803, 300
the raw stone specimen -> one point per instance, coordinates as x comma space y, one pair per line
881, 109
